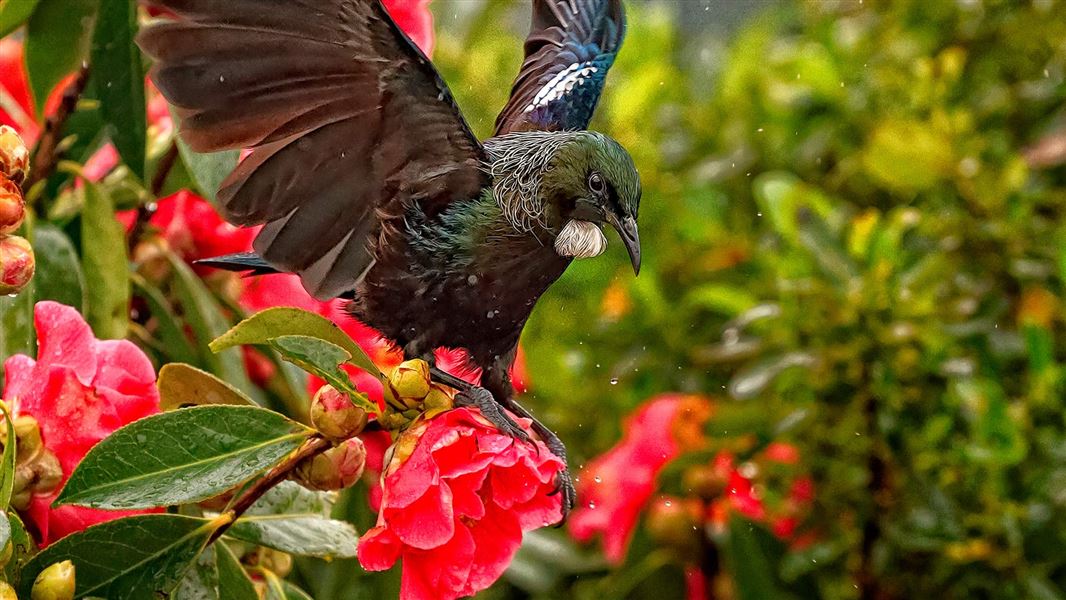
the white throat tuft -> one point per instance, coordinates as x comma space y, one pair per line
580, 239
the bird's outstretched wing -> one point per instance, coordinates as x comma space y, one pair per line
347, 120
571, 45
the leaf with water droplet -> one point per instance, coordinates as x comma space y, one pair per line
144, 556
182, 456
273, 323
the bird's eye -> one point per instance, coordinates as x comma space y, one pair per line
596, 183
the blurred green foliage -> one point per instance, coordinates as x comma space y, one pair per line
853, 224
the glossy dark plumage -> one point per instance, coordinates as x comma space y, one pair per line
319, 89
566, 38
368, 180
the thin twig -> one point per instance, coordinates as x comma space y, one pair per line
147, 209
311, 447
46, 154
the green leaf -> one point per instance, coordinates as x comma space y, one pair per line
207, 170
752, 572
59, 276
196, 453
182, 385
294, 593
17, 335
233, 580
7, 463
323, 359
22, 548
296, 520
118, 78
279, 589
103, 246
201, 581
204, 316
141, 557
57, 42
13, 13
5, 530
273, 323
169, 329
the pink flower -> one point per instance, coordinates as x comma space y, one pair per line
615, 487
79, 390
414, 18
457, 497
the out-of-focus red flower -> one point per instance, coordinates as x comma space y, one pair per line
615, 487
695, 584
414, 18
16, 105
457, 497
79, 390
783, 453
740, 497
193, 229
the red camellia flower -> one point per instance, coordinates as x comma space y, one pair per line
457, 497
614, 487
79, 390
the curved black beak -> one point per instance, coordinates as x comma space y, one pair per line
627, 230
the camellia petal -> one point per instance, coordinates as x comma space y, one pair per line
459, 458
99, 385
616, 486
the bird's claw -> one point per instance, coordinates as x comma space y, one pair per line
482, 399
564, 484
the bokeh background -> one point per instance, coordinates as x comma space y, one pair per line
853, 224
840, 373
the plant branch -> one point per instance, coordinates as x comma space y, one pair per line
47, 154
147, 209
315, 445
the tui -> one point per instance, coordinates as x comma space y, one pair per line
371, 185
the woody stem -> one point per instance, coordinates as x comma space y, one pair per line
314, 445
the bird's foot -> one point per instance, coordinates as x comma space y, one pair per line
564, 482
482, 399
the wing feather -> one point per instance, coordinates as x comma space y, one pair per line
348, 123
570, 47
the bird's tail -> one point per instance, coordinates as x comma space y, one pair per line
248, 262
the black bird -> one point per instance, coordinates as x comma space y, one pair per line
371, 185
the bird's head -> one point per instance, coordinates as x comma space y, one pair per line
591, 181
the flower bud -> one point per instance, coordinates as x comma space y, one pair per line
673, 522
335, 469
438, 398
334, 415
55, 583
12, 206
275, 560
20, 500
16, 264
49, 472
410, 381
705, 481
14, 156
392, 421
7, 592
28, 436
